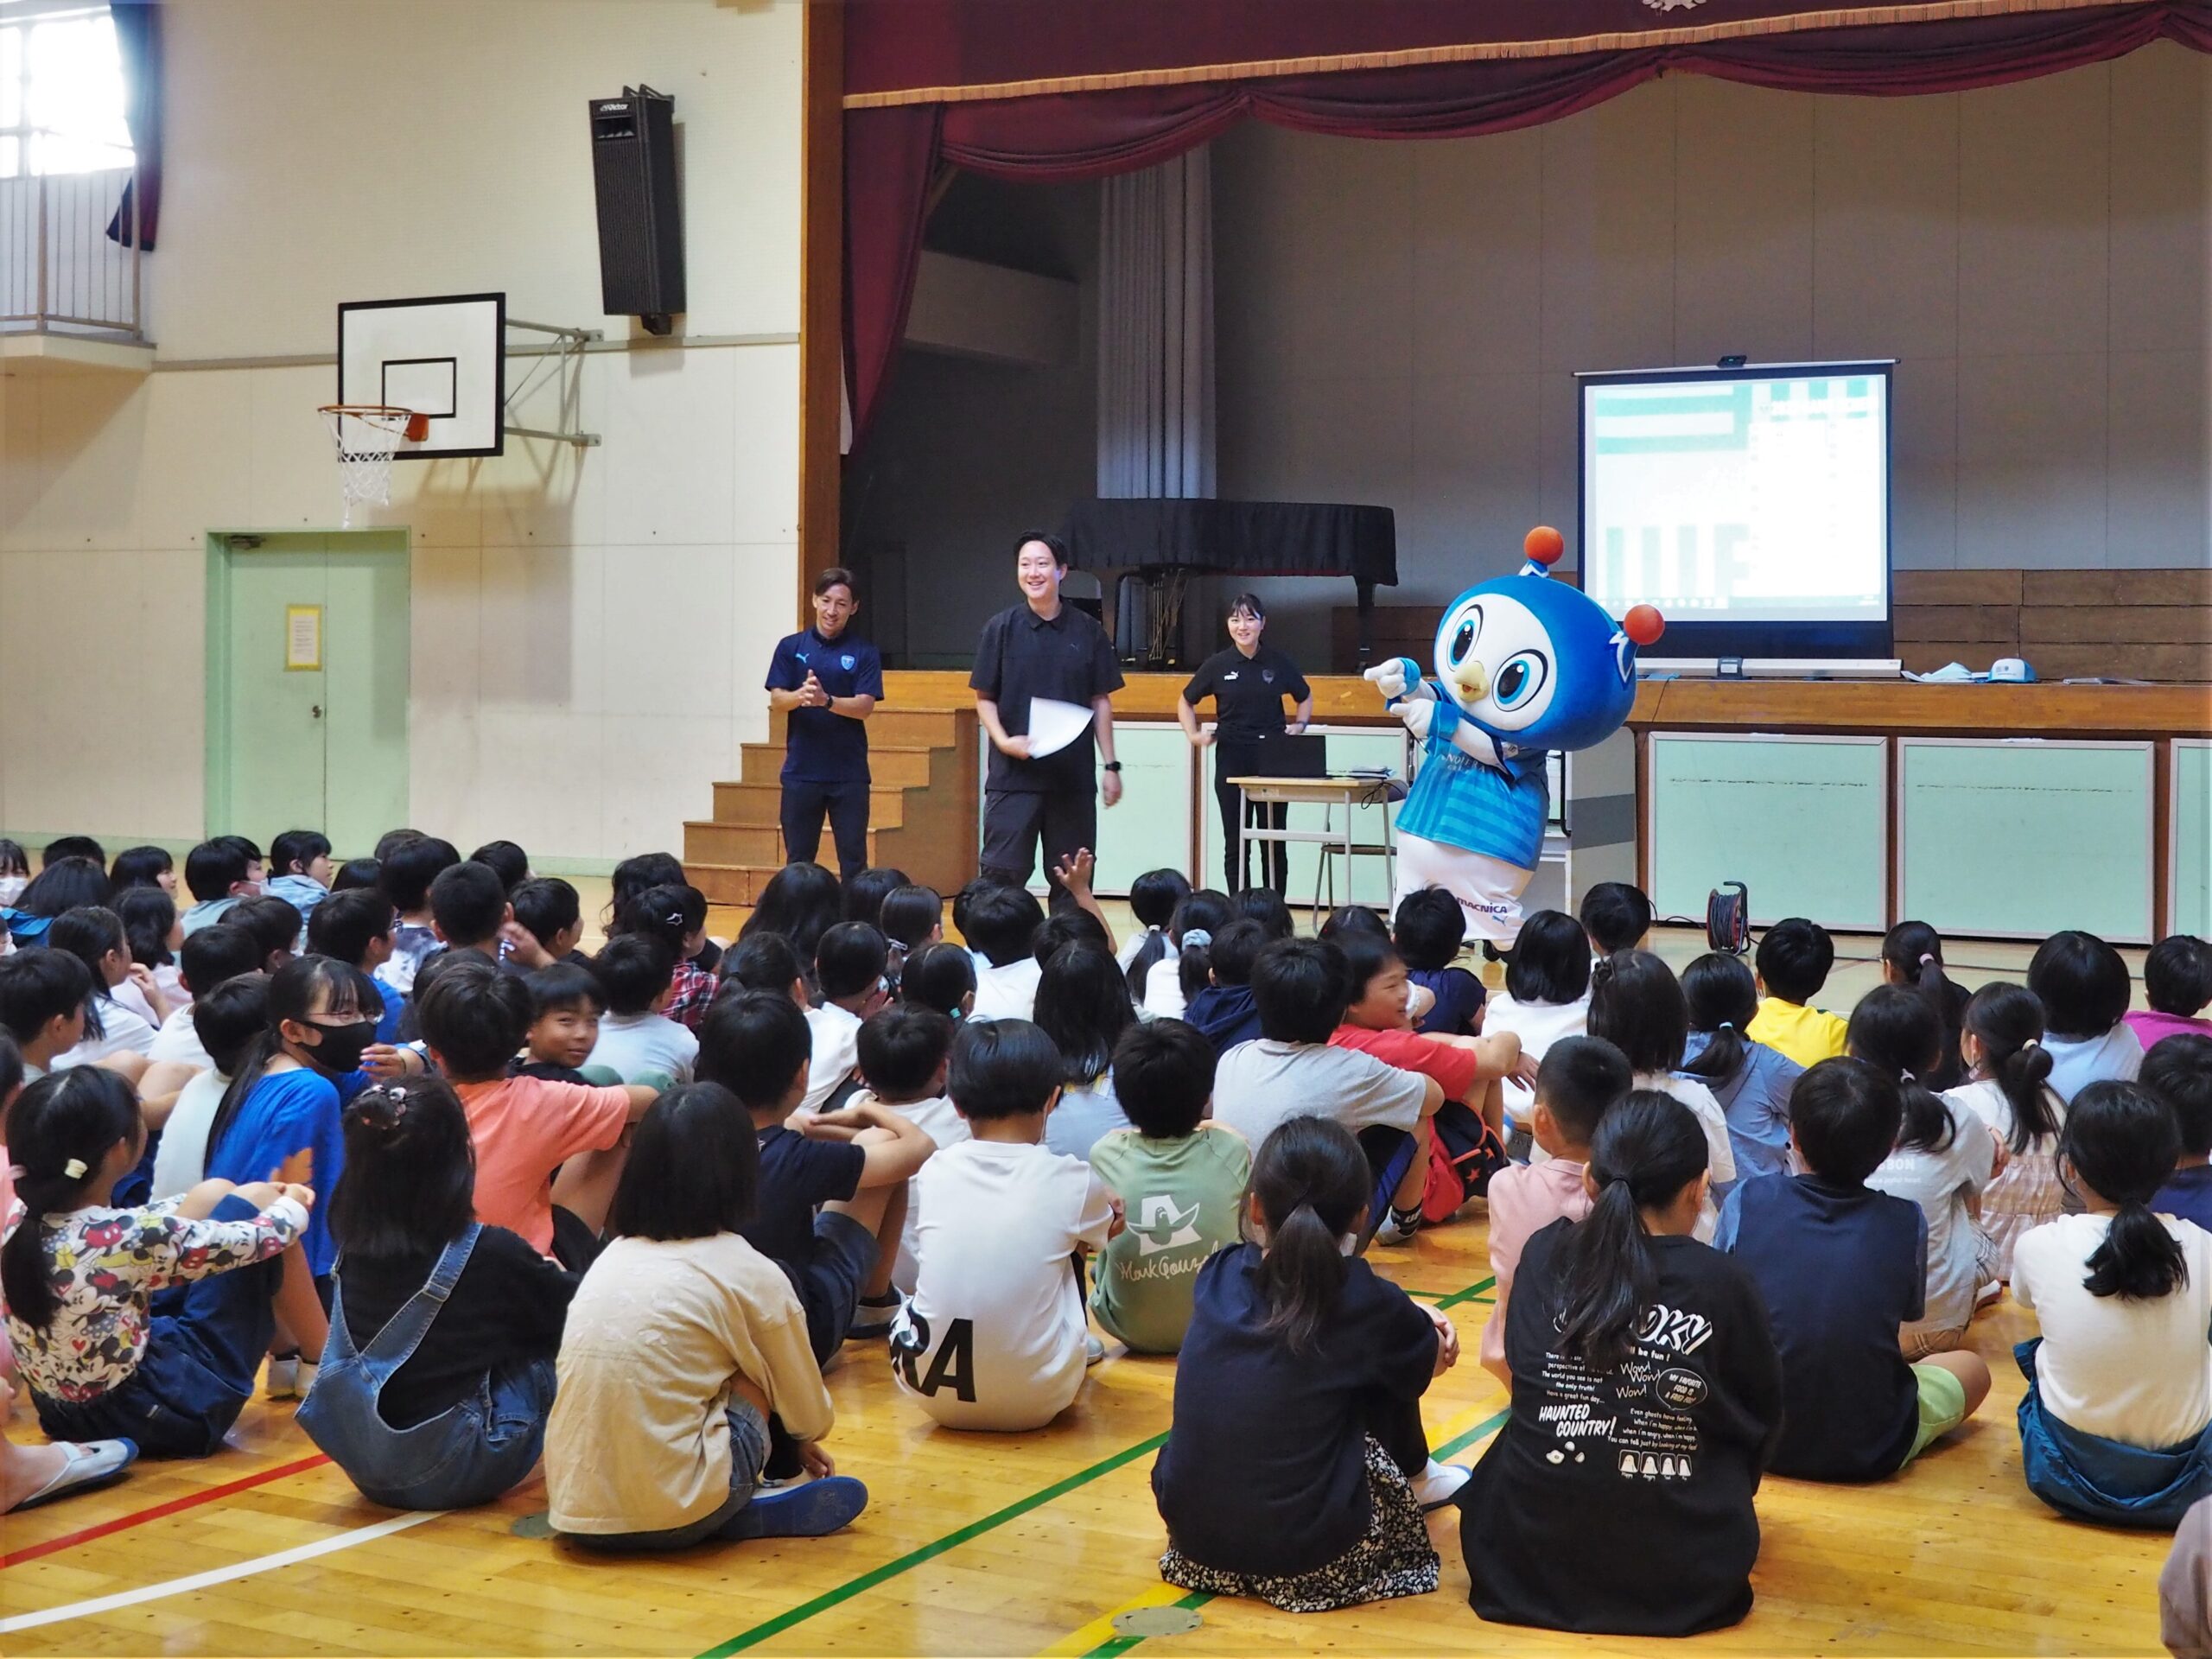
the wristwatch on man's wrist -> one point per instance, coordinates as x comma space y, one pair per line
1113, 766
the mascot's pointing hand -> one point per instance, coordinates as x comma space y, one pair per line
1392, 678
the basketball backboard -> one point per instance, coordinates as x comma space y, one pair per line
444, 357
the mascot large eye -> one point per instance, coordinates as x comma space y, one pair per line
1522, 677
1464, 640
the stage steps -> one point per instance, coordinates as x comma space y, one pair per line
922, 807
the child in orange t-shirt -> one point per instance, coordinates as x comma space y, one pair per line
473, 1018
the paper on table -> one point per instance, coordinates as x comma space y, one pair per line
1053, 725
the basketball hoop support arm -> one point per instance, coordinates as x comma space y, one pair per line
565, 355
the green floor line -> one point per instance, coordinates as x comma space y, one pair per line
1468, 1294
931, 1551
1121, 1644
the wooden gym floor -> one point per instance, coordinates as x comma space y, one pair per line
1023, 1544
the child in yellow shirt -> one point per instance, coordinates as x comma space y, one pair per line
1792, 961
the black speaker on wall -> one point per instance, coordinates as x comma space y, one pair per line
640, 216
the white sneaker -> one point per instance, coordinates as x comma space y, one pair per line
283, 1378
1093, 1350
1392, 1232
1435, 1485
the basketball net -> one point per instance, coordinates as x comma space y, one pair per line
367, 436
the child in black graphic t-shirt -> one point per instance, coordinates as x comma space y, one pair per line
1647, 1396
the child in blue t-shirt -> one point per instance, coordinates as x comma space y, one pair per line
1841, 1268
284, 1100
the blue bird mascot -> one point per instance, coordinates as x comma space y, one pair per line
1524, 665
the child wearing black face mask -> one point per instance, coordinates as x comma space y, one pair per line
284, 1100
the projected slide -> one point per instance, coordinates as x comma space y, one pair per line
1751, 500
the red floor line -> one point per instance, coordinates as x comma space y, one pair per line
175, 1506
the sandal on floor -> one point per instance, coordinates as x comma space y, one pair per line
86, 1467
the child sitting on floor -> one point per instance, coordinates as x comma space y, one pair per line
1616, 915
1083, 1005
1180, 1181
78, 1275
524, 1128
2116, 1426
2179, 1072
993, 1337
300, 872
1153, 899
1296, 1470
1002, 922
637, 1040
940, 976
850, 965
226, 1021
355, 926
1636, 1005
676, 914
1841, 1269
43, 993
1546, 997
1303, 987
1749, 1081
1912, 956
1222, 1011
685, 1358
2084, 985
905, 1053
1579, 1080
547, 908
1170, 967
95, 937
1942, 1161
1429, 931
2178, 984
1623, 1318
435, 1386
210, 957
832, 1200
406, 867
1794, 957
2009, 1092
219, 874
565, 1007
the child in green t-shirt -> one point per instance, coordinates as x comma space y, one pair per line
1180, 1177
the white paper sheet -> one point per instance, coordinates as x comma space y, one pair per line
1053, 725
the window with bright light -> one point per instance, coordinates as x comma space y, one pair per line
61, 90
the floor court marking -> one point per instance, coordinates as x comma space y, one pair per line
914, 1557
207, 1580
175, 1506
1099, 1640
1468, 1294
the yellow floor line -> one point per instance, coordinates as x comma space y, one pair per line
1101, 1629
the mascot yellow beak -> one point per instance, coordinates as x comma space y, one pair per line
1472, 678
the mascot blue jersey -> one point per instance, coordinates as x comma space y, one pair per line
1458, 801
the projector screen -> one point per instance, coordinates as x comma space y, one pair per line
1751, 505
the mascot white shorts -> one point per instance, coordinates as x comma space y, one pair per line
1488, 889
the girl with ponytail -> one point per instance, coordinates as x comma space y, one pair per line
1647, 1398
438, 1378
1182, 953
1749, 1081
1912, 956
77, 1274
1944, 1158
1297, 1469
2114, 1426
2009, 1089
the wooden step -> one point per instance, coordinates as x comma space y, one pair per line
762, 804
925, 727
887, 764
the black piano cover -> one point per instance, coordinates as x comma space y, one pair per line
1252, 539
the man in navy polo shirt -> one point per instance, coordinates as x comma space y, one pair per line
826, 682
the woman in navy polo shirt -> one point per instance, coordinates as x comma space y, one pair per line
826, 682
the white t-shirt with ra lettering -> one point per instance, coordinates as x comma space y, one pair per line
993, 1336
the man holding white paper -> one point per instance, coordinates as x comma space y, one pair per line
1044, 681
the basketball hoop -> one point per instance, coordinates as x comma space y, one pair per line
367, 436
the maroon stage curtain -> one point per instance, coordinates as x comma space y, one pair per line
892, 152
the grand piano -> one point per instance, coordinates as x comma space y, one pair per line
1161, 542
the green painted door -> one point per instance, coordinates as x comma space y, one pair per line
307, 661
